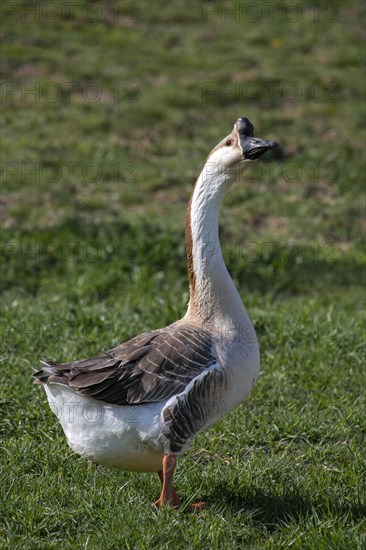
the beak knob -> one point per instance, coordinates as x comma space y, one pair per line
244, 127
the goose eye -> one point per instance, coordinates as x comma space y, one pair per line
229, 142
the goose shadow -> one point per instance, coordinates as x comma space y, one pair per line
273, 509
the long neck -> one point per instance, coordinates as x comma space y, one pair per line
213, 296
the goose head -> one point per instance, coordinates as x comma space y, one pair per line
239, 147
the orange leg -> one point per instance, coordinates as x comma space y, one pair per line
168, 495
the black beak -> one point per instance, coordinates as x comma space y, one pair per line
251, 146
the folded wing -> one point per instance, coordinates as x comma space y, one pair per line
151, 367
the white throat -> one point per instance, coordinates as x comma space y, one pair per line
214, 299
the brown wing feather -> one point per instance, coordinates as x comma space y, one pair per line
153, 366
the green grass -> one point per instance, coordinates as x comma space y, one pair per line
92, 258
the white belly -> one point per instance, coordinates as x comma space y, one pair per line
122, 437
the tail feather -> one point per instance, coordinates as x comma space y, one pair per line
62, 372
51, 372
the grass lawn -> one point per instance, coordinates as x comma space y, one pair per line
109, 111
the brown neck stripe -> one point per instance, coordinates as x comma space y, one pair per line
189, 250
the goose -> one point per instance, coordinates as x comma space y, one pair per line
139, 406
